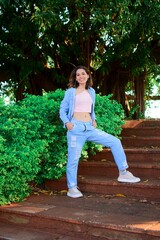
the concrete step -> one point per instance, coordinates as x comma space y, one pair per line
143, 132
93, 217
132, 154
14, 231
109, 169
146, 189
140, 142
143, 123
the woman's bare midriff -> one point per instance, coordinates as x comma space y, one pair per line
82, 116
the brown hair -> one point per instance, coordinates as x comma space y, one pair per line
72, 79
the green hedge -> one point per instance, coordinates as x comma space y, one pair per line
33, 143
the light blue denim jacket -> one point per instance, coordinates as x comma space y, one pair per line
67, 105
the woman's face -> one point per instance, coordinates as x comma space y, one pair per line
81, 76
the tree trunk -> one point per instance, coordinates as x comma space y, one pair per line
139, 95
114, 83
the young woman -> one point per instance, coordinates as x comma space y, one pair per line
78, 116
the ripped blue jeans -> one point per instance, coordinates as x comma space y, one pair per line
82, 132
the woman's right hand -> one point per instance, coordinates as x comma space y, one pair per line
69, 125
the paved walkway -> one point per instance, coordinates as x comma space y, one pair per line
91, 217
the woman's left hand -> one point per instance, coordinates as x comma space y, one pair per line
94, 124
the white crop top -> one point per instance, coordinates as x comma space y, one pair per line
83, 102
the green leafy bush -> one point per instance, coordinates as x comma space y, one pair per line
33, 144
110, 114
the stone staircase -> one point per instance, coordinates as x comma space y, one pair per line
141, 141
109, 210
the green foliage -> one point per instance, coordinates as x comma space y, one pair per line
153, 86
110, 114
133, 111
96, 33
18, 153
33, 144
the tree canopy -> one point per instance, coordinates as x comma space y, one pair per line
41, 41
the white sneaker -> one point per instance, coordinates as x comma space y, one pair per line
128, 178
74, 193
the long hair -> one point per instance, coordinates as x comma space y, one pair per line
72, 79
